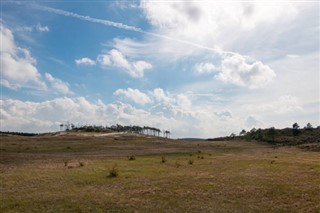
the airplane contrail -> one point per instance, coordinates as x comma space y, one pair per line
90, 19
127, 27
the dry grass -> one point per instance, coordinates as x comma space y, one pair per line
232, 177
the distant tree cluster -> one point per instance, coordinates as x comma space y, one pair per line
145, 130
17, 133
292, 135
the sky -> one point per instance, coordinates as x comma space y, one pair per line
196, 68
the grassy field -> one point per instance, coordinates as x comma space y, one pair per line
71, 173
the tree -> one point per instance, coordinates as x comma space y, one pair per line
167, 133
295, 129
295, 126
272, 133
243, 132
253, 130
308, 127
232, 135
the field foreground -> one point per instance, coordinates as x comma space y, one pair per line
71, 173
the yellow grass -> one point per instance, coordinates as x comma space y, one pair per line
231, 177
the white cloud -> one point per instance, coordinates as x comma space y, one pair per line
211, 22
104, 60
252, 122
115, 58
119, 60
245, 71
183, 101
90, 19
85, 61
161, 95
292, 56
58, 85
38, 27
134, 95
41, 28
179, 115
18, 66
202, 68
48, 115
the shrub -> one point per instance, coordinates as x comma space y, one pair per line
113, 172
199, 151
163, 159
66, 163
81, 164
202, 157
177, 164
131, 157
190, 162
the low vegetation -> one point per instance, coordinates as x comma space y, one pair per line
287, 136
38, 174
113, 172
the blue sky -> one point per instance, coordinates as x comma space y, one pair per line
198, 69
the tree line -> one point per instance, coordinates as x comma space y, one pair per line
145, 130
293, 135
17, 133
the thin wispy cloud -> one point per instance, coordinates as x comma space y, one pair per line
126, 27
90, 19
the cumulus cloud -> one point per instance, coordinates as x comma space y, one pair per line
183, 101
134, 95
191, 21
161, 95
181, 118
18, 66
19, 70
48, 115
85, 61
115, 58
224, 114
57, 84
202, 68
245, 71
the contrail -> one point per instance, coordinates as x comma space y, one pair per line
90, 19
126, 27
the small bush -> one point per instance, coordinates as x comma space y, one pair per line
198, 157
163, 159
210, 154
131, 157
81, 164
113, 172
66, 163
199, 151
202, 157
190, 162
177, 164
190, 155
